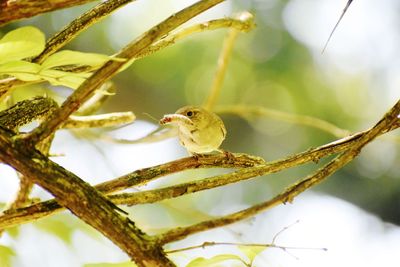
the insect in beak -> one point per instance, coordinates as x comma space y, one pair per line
171, 118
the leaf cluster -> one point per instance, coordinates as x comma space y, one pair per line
67, 68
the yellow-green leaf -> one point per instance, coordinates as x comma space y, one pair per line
214, 261
69, 79
104, 264
68, 57
13, 231
60, 228
21, 43
23, 70
6, 254
72, 81
251, 251
127, 64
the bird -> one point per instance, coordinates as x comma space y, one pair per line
200, 131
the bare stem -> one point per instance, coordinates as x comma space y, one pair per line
247, 111
101, 120
212, 244
244, 22
108, 70
222, 65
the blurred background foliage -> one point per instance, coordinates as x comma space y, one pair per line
277, 65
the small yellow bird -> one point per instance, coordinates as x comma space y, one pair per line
200, 131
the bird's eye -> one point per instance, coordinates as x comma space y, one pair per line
189, 113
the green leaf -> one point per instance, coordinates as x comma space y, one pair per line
6, 254
127, 64
68, 57
60, 228
103, 264
21, 43
23, 70
214, 261
69, 79
251, 251
13, 231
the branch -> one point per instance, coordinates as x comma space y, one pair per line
26, 185
252, 165
101, 120
109, 69
27, 111
83, 200
314, 155
39, 107
39, 210
21, 9
242, 22
289, 194
78, 25
22, 198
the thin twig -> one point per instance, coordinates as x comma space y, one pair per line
159, 134
247, 111
222, 66
101, 120
282, 230
94, 103
242, 22
337, 24
108, 70
211, 244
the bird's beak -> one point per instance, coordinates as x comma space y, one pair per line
176, 118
